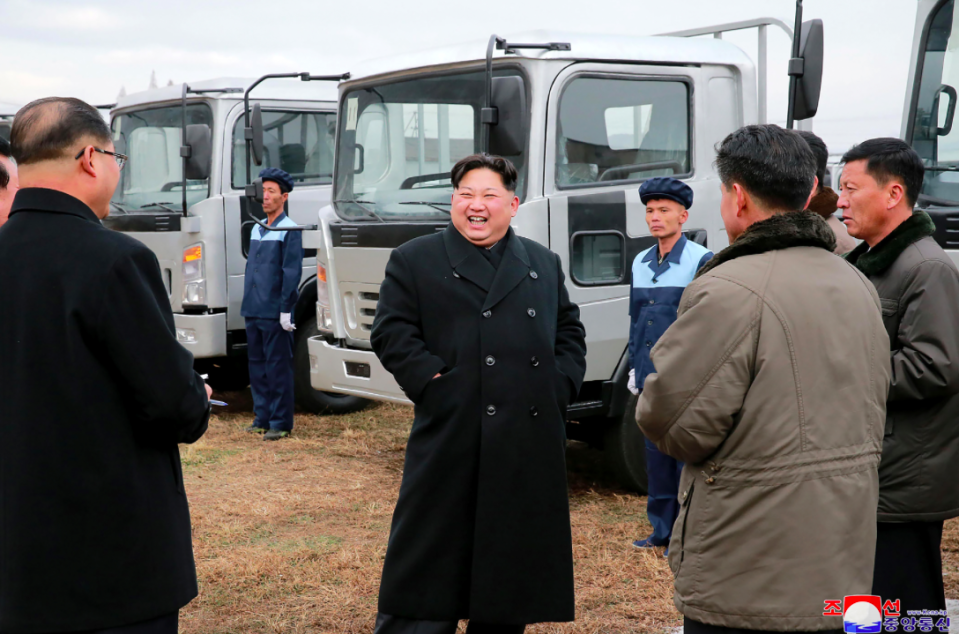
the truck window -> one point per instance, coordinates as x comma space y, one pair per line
152, 139
621, 130
933, 135
300, 143
399, 140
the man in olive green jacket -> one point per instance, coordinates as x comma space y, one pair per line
771, 387
918, 286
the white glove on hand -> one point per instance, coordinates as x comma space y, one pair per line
286, 323
631, 385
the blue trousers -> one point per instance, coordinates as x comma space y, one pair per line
270, 352
662, 505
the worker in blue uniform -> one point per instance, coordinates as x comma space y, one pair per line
660, 274
273, 270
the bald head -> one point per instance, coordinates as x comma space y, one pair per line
55, 142
55, 128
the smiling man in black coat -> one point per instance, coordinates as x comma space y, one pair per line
95, 394
476, 326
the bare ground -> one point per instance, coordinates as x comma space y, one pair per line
290, 535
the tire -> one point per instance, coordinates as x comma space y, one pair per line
308, 399
625, 450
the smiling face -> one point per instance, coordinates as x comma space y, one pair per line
482, 207
665, 218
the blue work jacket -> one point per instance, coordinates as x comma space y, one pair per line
273, 270
654, 298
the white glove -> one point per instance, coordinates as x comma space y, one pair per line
286, 323
631, 385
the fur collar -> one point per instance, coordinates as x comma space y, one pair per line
782, 231
876, 260
824, 203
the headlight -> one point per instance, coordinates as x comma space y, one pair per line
194, 286
324, 319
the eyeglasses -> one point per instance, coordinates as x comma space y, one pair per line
121, 159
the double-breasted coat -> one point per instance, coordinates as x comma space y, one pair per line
481, 529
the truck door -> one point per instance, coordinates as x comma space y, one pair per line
295, 140
609, 127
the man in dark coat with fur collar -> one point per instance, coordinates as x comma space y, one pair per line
771, 387
477, 327
919, 288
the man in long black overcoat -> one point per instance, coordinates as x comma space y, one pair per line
95, 394
477, 328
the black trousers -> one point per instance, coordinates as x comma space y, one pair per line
389, 624
909, 565
695, 627
168, 624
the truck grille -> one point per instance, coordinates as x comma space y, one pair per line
359, 308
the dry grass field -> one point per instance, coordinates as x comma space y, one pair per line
290, 536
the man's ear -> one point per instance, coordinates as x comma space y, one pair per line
742, 199
86, 162
286, 196
683, 216
815, 190
514, 206
895, 193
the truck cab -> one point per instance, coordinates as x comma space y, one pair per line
199, 227
929, 112
585, 119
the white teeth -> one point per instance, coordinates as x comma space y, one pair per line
476, 220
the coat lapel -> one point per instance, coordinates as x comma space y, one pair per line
466, 260
512, 270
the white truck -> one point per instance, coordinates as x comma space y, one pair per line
585, 119
929, 112
183, 195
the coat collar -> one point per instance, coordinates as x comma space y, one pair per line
876, 260
782, 231
51, 200
469, 263
672, 257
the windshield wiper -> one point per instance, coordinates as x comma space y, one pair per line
360, 204
942, 168
120, 207
433, 205
161, 206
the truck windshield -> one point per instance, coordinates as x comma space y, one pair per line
934, 136
398, 141
153, 178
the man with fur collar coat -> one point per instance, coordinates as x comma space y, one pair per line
919, 288
776, 410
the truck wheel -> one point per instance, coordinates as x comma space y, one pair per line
308, 399
625, 449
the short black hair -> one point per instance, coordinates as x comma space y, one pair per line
774, 165
50, 128
498, 164
819, 150
890, 158
4, 174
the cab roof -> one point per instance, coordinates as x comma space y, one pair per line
654, 49
272, 89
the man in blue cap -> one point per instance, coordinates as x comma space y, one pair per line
273, 270
660, 274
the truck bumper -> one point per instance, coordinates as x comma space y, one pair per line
203, 335
342, 370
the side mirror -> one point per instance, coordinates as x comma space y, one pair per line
255, 190
199, 148
809, 85
255, 133
508, 135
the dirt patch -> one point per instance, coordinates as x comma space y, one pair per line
290, 535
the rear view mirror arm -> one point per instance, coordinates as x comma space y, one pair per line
185, 150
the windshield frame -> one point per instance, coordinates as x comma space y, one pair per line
469, 68
176, 204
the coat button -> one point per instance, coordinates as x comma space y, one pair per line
685, 493
490, 360
710, 480
490, 410
652, 301
533, 412
648, 344
487, 313
649, 323
533, 274
534, 361
455, 274
530, 312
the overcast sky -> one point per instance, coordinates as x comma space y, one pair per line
89, 48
